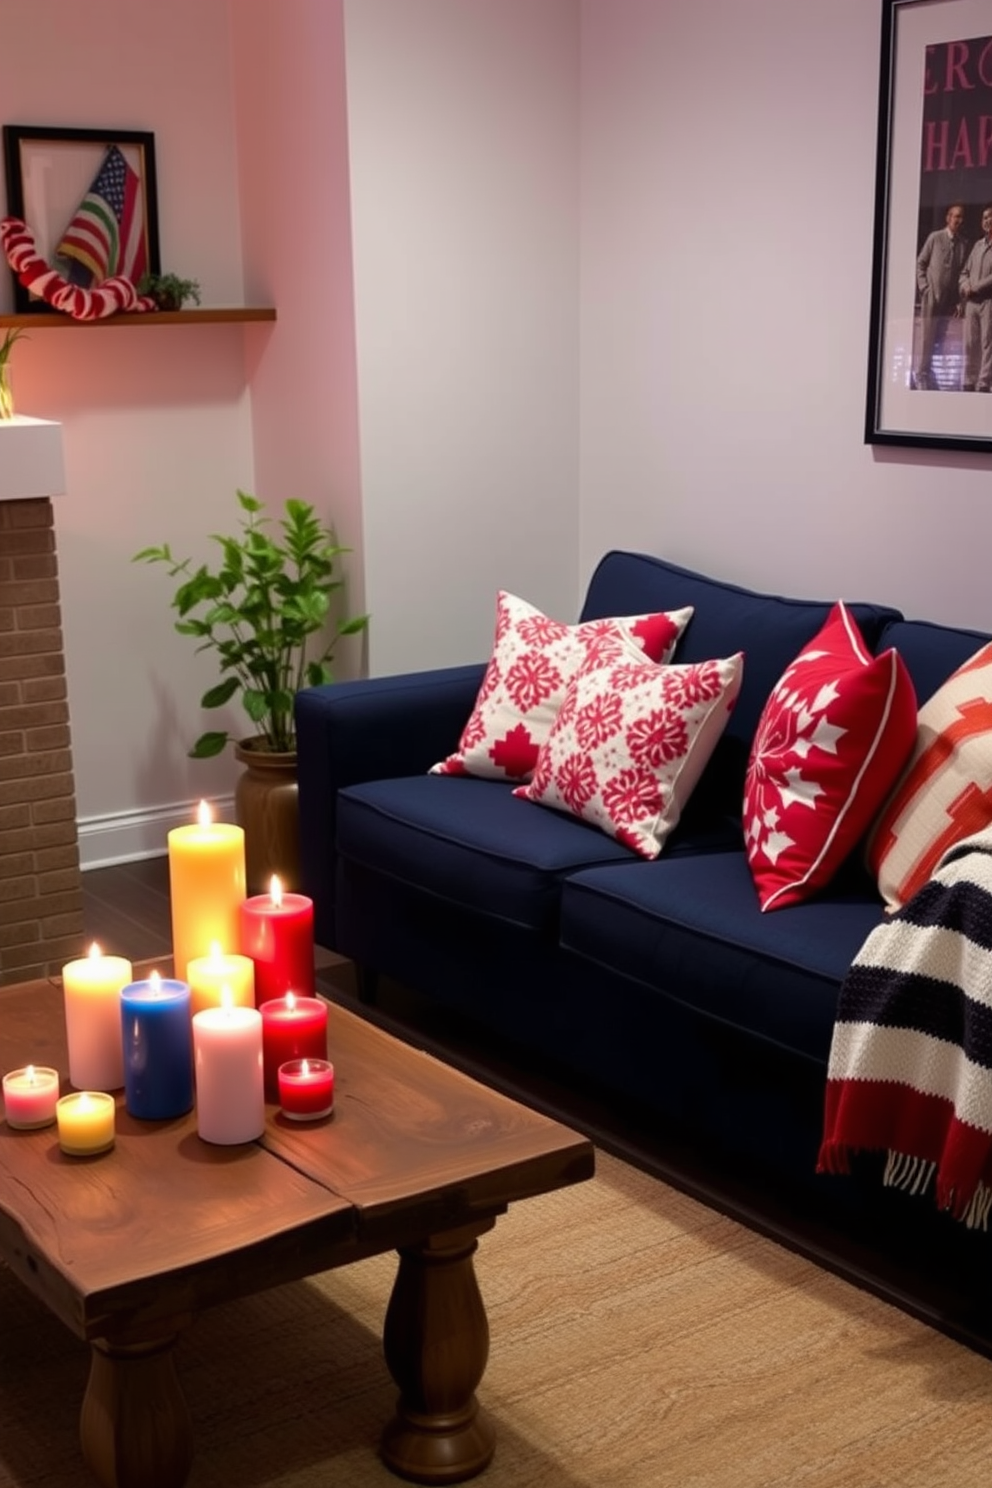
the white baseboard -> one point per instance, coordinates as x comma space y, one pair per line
127, 836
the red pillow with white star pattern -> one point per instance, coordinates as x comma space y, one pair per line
630, 742
533, 661
830, 743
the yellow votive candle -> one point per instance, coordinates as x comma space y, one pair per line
206, 887
86, 1123
209, 975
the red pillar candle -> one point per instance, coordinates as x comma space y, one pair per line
277, 933
292, 1028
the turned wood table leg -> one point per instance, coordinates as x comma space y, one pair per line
436, 1340
134, 1425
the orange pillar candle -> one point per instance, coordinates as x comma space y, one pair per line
206, 888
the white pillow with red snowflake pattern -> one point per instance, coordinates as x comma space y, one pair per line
533, 661
630, 742
830, 743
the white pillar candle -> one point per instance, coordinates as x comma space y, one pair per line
92, 1000
227, 1060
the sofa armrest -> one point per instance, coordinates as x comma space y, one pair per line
377, 728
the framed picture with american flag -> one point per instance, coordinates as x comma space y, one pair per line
89, 198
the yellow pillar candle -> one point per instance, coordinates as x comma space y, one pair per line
209, 975
91, 991
206, 888
86, 1123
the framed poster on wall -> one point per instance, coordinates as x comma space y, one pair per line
930, 338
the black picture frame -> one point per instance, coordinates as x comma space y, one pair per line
49, 171
935, 87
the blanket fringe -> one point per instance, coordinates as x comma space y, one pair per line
911, 1174
914, 1175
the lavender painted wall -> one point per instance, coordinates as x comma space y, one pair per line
727, 215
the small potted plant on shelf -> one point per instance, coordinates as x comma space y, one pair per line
259, 609
169, 291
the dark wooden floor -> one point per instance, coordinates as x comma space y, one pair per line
126, 909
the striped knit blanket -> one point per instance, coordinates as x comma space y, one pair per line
910, 1068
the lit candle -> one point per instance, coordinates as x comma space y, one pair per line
30, 1096
277, 933
86, 1123
158, 1048
209, 975
292, 1028
227, 1052
92, 1000
206, 888
306, 1089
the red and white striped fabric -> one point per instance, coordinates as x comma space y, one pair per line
945, 791
49, 285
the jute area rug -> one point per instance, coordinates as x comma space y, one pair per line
639, 1340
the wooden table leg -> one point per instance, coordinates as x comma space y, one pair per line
436, 1340
134, 1425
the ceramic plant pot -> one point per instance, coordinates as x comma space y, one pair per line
266, 807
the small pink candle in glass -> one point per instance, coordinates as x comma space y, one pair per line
30, 1096
306, 1089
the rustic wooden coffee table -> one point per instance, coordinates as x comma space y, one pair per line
128, 1247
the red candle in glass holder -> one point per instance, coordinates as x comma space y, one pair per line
292, 1028
277, 933
306, 1089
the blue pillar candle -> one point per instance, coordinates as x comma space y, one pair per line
158, 1048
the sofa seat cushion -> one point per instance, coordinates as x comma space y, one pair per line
470, 842
692, 927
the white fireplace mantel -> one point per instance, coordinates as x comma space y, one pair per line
31, 464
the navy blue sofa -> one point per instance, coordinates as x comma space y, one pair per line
660, 983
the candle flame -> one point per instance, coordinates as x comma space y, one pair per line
203, 814
215, 950
305, 1067
29, 1074
275, 891
226, 998
94, 951
155, 983
84, 1101
291, 1000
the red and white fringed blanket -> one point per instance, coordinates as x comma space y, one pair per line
49, 285
911, 1060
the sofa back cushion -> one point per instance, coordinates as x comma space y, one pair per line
770, 629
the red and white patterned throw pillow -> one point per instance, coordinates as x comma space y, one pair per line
630, 742
831, 740
533, 661
945, 791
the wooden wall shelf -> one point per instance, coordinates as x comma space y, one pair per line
42, 321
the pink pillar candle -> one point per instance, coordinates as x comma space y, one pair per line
277, 933
91, 990
306, 1089
227, 1060
292, 1028
30, 1096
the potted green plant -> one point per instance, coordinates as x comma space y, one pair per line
261, 609
13, 335
169, 291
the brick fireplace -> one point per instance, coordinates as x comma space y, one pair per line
41, 896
